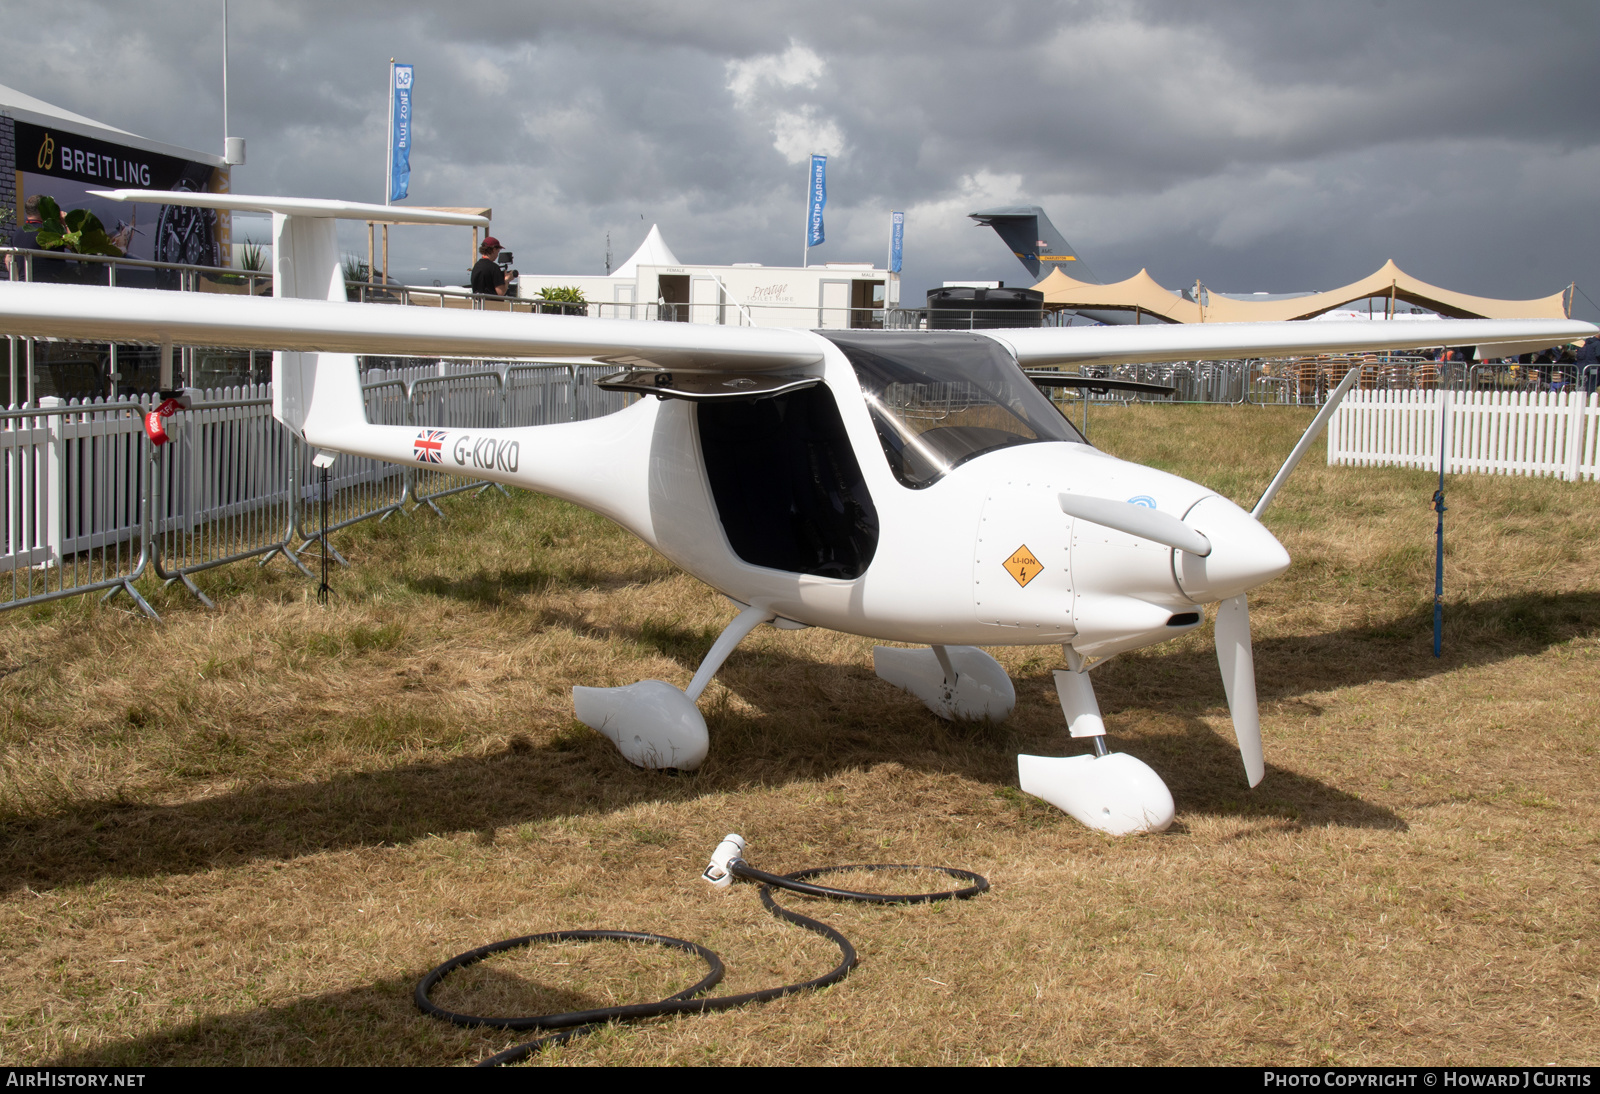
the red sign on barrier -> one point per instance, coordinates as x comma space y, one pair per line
154, 427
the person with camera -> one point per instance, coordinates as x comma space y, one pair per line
489, 277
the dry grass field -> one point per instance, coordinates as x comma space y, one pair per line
241, 836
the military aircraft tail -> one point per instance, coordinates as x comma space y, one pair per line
1035, 241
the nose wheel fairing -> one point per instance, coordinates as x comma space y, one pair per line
1116, 793
1111, 792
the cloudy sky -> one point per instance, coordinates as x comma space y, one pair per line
1285, 146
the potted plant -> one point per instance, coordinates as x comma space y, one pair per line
77, 231
569, 297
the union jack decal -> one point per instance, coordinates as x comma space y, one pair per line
429, 446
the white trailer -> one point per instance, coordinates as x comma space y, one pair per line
653, 284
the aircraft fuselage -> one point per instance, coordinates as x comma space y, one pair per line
982, 556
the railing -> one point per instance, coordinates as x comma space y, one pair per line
25, 264
87, 370
91, 506
1290, 381
731, 312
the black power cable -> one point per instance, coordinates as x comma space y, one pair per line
576, 1023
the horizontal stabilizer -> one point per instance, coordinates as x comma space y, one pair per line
297, 207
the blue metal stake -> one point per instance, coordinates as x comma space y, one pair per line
1438, 535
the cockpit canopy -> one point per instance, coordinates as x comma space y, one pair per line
939, 400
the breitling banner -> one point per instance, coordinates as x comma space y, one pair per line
818, 198
399, 132
64, 155
67, 167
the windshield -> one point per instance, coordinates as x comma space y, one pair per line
939, 400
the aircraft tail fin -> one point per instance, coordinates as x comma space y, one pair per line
1035, 241
318, 395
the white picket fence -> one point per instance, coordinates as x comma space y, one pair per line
1493, 432
87, 504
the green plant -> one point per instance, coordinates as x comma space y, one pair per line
563, 294
355, 269
251, 258
78, 231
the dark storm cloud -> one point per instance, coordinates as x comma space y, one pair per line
1293, 145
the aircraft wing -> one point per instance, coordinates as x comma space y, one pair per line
100, 314
96, 314
1037, 346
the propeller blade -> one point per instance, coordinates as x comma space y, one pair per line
1136, 520
1239, 681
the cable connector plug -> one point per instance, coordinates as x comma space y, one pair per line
719, 872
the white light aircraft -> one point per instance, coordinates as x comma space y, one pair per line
913, 487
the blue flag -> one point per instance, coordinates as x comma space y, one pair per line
818, 198
400, 134
897, 236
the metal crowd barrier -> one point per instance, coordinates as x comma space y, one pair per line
468, 400
1297, 381
74, 494
91, 506
221, 487
542, 394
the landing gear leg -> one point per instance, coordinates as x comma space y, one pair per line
1109, 791
652, 723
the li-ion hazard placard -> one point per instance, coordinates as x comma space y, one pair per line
1022, 565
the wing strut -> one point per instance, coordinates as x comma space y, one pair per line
1307, 439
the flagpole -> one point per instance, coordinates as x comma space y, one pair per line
388, 140
805, 237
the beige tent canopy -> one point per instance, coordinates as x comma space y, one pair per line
1144, 296
1140, 294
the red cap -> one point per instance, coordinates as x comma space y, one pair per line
490, 243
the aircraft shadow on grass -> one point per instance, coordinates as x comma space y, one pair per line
504, 587
338, 1028
811, 720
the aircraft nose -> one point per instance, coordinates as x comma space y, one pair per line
1243, 553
